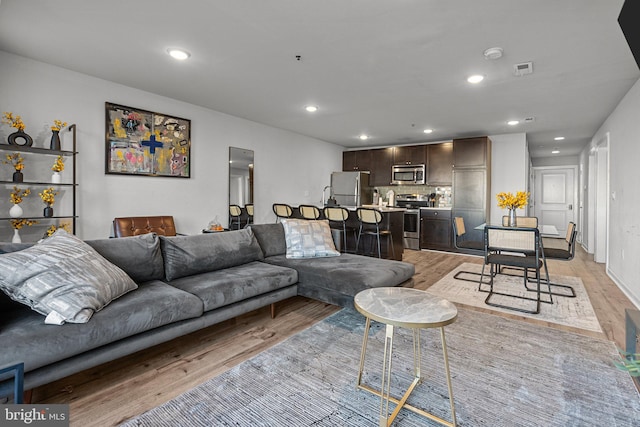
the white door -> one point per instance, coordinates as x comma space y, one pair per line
554, 198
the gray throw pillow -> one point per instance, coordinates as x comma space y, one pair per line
308, 239
188, 255
62, 278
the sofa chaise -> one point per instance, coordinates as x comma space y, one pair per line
182, 284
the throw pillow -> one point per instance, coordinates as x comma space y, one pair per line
308, 239
62, 278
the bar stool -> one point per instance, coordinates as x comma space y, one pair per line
337, 217
249, 208
309, 212
370, 220
235, 213
282, 211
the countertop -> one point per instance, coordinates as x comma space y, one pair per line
438, 208
381, 208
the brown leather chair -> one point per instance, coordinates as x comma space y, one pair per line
136, 225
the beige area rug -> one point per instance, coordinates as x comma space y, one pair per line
575, 312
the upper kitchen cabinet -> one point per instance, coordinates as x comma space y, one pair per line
439, 163
410, 155
471, 152
356, 160
381, 163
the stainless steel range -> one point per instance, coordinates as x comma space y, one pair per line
413, 203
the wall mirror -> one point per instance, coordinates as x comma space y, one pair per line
240, 177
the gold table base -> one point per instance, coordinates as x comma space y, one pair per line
384, 392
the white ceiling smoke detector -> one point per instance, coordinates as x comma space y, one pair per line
493, 53
523, 68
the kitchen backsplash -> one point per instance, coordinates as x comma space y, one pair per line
443, 194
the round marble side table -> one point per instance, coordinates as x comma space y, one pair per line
407, 308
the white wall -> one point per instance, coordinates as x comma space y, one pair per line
624, 154
289, 167
509, 170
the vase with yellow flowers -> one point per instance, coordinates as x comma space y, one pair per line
58, 166
16, 198
55, 134
512, 202
17, 224
48, 197
17, 162
19, 137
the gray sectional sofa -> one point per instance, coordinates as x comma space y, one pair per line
185, 283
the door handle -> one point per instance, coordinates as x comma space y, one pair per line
570, 207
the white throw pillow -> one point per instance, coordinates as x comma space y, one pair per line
308, 239
62, 278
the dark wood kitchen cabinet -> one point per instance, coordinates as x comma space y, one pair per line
440, 163
471, 152
359, 160
436, 229
410, 155
381, 163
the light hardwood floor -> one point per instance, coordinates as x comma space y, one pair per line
116, 391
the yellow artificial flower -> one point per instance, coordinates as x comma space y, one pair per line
48, 196
52, 229
509, 201
58, 124
19, 223
18, 194
15, 160
13, 121
58, 166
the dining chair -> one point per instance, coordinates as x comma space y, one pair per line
309, 212
517, 247
282, 211
522, 221
249, 208
370, 220
468, 246
235, 217
337, 217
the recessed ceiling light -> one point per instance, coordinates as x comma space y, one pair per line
364, 137
556, 151
559, 138
311, 108
513, 122
179, 54
476, 78
428, 130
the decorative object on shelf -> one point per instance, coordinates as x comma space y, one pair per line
57, 167
16, 161
140, 142
52, 229
55, 134
511, 202
48, 197
17, 224
19, 136
16, 198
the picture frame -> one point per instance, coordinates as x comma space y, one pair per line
146, 143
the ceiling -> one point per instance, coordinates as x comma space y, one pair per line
385, 68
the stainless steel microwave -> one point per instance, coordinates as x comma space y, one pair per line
407, 174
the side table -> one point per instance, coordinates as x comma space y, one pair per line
18, 380
408, 308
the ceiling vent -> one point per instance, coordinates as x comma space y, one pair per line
523, 68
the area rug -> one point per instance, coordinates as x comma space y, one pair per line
575, 312
505, 373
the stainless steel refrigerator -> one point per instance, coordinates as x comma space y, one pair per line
351, 188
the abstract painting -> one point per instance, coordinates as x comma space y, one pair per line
140, 142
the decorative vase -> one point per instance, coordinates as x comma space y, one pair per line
15, 211
16, 236
56, 178
55, 140
20, 138
512, 218
48, 211
17, 176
